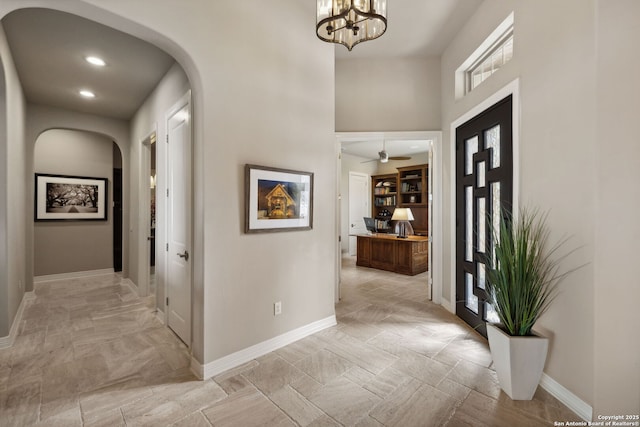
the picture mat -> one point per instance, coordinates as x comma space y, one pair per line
41, 194
256, 223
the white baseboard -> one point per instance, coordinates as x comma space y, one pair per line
131, 285
570, 400
557, 390
72, 275
243, 356
160, 315
6, 342
447, 305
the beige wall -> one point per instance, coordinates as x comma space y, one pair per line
399, 94
73, 246
617, 283
5, 321
14, 190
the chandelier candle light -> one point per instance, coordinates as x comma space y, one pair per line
350, 22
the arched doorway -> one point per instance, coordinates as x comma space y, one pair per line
78, 246
133, 179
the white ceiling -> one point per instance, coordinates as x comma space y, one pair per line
415, 28
367, 147
49, 48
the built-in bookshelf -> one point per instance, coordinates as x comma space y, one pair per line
407, 189
385, 199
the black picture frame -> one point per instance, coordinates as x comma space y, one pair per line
70, 198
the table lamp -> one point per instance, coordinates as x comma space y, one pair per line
403, 216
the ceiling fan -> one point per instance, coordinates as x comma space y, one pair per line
383, 156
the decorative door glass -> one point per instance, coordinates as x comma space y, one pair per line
484, 180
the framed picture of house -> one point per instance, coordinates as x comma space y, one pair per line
64, 197
277, 199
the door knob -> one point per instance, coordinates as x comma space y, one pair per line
185, 255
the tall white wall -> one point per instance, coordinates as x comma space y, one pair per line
87, 245
617, 283
149, 118
398, 94
14, 213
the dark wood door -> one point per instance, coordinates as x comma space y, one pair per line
484, 185
117, 219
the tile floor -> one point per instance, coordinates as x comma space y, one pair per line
90, 353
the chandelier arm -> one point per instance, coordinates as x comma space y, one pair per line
338, 29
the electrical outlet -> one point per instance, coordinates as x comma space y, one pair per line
277, 308
20, 284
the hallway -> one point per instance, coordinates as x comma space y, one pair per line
90, 353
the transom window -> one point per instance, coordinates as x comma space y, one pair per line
491, 55
495, 57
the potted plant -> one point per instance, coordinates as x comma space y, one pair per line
522, 280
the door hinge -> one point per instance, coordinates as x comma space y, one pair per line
167, 301
166, 137
167, 248
167, 192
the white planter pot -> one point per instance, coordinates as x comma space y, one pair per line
519, 361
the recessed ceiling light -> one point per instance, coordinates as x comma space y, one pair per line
94, 60
87, 94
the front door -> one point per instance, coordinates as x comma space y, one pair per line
359, 197
484, 185
179, 258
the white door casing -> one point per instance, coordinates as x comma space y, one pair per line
359, 206
179, 260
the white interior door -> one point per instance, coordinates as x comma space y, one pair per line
359, 207
179, 220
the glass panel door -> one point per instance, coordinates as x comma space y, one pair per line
484, 184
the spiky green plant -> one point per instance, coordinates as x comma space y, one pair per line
522, 278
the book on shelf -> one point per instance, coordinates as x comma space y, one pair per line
385, 201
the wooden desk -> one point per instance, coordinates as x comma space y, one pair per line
385, 252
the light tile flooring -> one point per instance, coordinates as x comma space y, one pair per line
91, 353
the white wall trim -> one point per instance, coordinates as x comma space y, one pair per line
512, 88
573, 402
436, 173
449, 306
243, 356
72, 275
160, 316
144, 206
131, 285
6, 342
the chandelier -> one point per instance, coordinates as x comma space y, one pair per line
350, 22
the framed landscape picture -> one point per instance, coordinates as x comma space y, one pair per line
64, 197
277, 199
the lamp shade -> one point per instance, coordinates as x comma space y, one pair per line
402, 214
